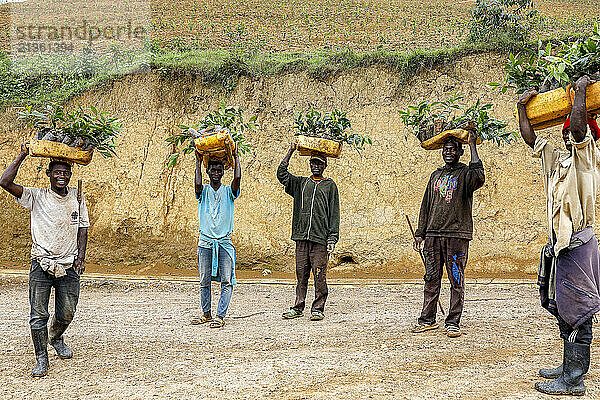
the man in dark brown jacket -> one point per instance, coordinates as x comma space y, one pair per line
315, 229
446, 227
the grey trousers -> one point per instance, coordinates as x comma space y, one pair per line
66, 296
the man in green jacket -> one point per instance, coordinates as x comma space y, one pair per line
315, 229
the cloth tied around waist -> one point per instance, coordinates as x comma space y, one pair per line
213, 244
56, 268
548, 272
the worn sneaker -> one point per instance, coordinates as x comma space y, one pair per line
421, 327
453, 331
316, 316
292, 314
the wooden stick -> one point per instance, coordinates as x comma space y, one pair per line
79, 190
422, 258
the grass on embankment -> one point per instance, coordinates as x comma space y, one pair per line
220, 68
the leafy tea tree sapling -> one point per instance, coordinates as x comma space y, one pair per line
86, 129
225, 117
428, 119
551, 67
332, 125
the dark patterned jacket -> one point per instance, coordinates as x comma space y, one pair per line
446, 209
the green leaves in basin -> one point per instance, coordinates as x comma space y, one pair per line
427, 119
329, 125
84, 128
226, 117
551, 67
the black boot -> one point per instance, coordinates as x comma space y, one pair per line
575, 364
551, 373
40, 344
56, 339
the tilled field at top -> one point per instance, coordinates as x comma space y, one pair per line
304, 25
134, 341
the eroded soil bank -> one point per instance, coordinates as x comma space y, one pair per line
145, 213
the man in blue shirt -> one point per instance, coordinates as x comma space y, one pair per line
216, 254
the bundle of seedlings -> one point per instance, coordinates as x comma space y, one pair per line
71, 135
551, 70
433, 122
215, 137
324, 133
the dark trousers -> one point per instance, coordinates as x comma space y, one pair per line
66, 295
452, 252
583, 335
311, 256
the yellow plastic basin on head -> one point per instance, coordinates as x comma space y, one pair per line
59, 151
308, 145
214, 141
547, 109
437, 142
217, 145
550, 109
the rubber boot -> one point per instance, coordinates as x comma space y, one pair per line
40, 344
551, 373
55, 338
576, 363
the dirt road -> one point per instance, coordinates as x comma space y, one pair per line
133, 340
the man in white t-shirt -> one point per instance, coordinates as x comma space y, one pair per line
59, 224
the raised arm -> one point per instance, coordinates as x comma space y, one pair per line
473, 147
289, 181
579, 112
237, 174
293, 147
198, 176
8, 177
527, 132
475, 175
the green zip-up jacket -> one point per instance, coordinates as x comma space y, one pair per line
316, 215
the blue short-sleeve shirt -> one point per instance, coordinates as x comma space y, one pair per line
215, 211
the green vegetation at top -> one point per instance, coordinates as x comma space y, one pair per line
30, 83
495, 25
360, 25
511, 20
269, 38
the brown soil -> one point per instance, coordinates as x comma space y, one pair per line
161, 270
133, 340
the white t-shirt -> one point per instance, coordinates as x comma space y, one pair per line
55, 220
